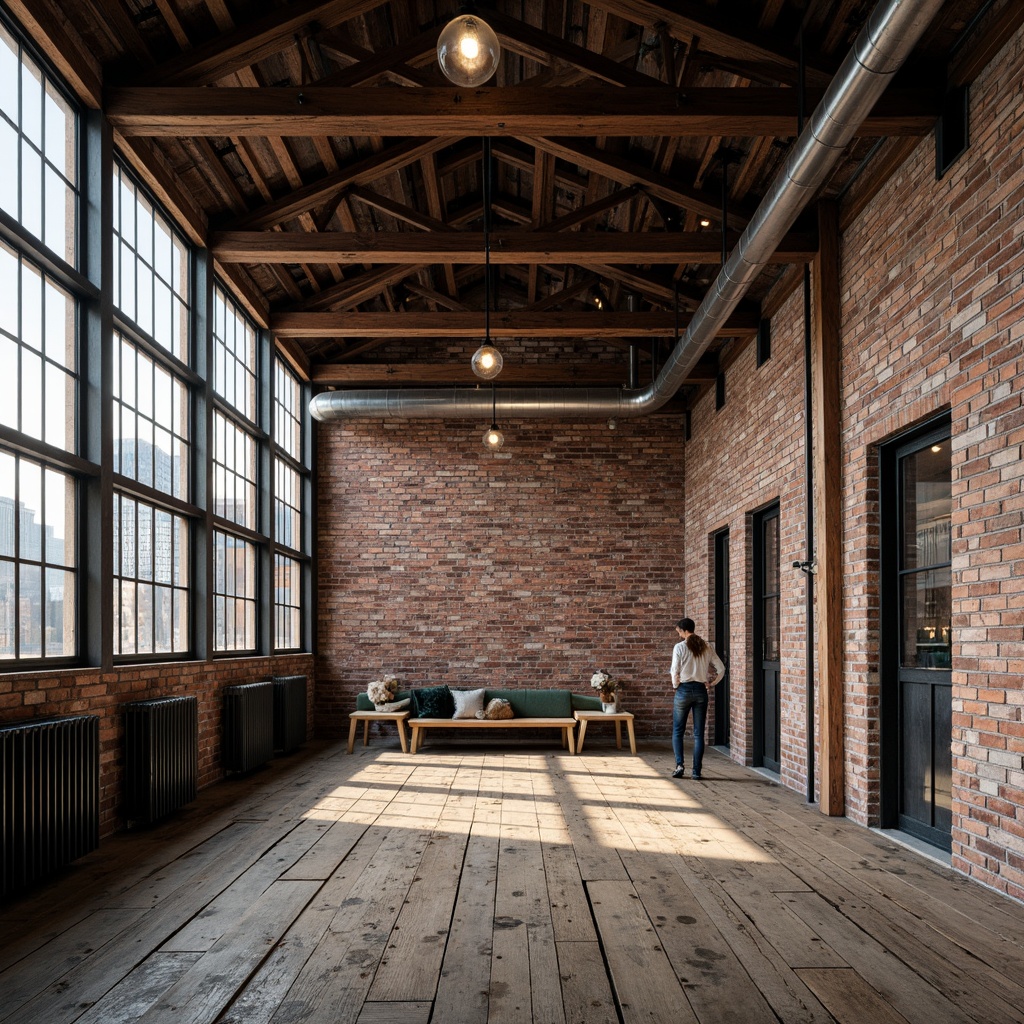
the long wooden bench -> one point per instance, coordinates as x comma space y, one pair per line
420, 725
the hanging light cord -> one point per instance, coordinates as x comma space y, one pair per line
487, 237
494, 406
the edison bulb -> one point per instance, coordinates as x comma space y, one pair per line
468, 51
487, 362
493, 438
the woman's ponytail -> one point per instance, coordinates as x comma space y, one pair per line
697, 645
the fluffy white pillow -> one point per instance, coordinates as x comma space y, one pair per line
468, 703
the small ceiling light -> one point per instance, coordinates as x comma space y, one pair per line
936, 448
705, 222
493, 437
468, 50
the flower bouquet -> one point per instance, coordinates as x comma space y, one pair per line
602, 681
383, 692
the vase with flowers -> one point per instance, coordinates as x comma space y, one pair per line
383, 691
608, 687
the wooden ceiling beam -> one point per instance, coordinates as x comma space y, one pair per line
360, 289
585, 111
370, 66
504, 324
532, 248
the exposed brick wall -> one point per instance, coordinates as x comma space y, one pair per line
444, 563
741, 458
26, 695
932, 320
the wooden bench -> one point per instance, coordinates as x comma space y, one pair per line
566, 725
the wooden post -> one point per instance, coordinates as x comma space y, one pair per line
827, 388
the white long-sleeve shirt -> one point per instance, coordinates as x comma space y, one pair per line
687, 667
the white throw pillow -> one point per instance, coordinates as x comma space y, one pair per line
468, 703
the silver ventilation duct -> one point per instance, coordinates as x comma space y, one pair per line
891, 32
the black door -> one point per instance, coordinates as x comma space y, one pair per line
722, 635
917, 693
767, 733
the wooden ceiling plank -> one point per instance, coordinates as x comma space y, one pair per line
976, 56
359, 289
444, 301
591, 210
360, 172
628, 172
559, 298
370, 66
504, 324
434, 193
291, 110
397, 210
543, 47
719, 31
244, 46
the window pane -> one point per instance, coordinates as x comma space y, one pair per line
234, 593
927, 504
927, 614
234, 339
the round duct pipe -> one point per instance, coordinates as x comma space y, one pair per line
889, 35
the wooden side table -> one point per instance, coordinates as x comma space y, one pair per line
366, 717
618, 717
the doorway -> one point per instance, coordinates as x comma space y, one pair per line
767, 660
721, 638
916, 642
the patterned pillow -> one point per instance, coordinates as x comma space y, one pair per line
497, 708
433, 702
468, 702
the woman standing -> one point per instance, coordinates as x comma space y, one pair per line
692, 662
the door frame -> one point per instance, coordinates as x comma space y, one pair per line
939, 428
720, 542
770, 511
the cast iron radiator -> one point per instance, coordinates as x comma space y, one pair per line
248, 726
161, 757
289, 713
49, 797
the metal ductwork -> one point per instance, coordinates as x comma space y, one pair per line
891, 32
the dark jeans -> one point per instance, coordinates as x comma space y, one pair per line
690, 695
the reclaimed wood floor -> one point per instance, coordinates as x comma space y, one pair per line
523, 886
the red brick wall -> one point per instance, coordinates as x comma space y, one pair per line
741, 458
26, 695
932, 319
444, 563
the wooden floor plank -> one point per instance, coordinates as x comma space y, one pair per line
127, 1001
215, 978
465, 978
849, 998
586, 988
268, 988
704, 962
322, 860
412, 961
644, 982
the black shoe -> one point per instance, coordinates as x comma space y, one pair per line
679, 773
697, 777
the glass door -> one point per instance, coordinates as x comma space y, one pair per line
721, 641
767, 659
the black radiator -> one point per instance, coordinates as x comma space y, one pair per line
248, 726
161, 757
50, 797
289, 713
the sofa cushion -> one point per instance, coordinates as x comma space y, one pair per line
584, 702
468, 703
536, 703
433, 702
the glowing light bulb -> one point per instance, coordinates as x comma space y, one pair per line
493, 438
468, 51
469, 47
487, 362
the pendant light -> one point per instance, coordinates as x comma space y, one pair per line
487, 361
493, 437
468, 50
